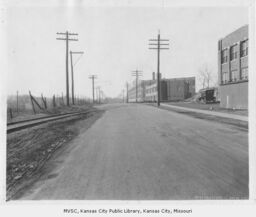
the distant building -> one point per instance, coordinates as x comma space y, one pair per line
233, 69
179, 88
173, 89
141, 90
151, 92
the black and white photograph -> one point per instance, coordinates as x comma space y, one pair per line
128, 102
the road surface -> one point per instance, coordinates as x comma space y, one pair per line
139, 152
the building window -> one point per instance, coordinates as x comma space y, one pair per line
224, 77
244, 48
224, 56
234, 76
233, 52
244, 73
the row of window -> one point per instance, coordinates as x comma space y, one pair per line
151, 90
234, 51
234, 76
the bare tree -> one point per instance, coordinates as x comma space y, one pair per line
205, 76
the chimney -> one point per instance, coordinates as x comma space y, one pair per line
153, 76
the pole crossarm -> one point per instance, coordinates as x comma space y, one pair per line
159, 40
159, 44
64, 33
69, 39
77, 52
161, 48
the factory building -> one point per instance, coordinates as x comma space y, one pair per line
233, 69
173, 89
141, 90
151, 92
179, 88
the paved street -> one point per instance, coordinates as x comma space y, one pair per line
142, 152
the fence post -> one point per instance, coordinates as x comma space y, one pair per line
31, 99
53, 101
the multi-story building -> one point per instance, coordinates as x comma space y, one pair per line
151, 91
172, 89
233, 69
141, 90
179, 88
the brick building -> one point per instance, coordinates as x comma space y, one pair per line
173, 89
141, 90
179, 88
233, 69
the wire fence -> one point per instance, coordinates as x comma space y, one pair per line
26, 105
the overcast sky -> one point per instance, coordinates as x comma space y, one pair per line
115, 42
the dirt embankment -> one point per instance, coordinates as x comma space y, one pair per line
28, 150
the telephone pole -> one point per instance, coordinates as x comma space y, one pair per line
93, 77
157, 43
72, 73
67, 39
137, 74
127, 94
123, 96
98, 88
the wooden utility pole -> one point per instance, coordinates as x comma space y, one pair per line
127, 94
137, 74
93, 77
98, 88
72, 73
123, 96
67, 39
157, 46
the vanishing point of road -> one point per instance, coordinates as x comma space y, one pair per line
140, 152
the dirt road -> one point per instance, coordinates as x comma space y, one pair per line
141, 152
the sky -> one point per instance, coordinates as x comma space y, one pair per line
115, 42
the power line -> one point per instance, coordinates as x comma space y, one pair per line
93, 77
137, 74
72, 73
158, 45
67, 39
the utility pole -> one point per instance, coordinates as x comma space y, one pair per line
67, 39
157, 43
93, 77
72, 73
98, 91
123, 95
127, 94
137, 74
